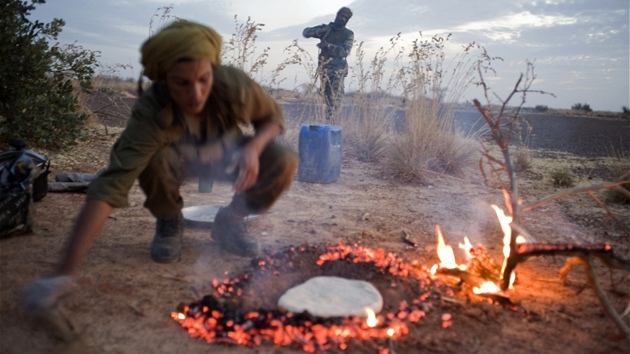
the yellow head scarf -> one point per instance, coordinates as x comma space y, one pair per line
179, 40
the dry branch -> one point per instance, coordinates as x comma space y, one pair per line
573, 191
467, 277
502, 130
601, 294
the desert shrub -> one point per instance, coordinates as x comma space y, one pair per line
584, 107
522, 160
371, 110
561, 177
619, 170
431, 85
39, 80
541, 108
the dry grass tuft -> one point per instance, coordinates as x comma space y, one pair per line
561, 177
522, 160
618, 170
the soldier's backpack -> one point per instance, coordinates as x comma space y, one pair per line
23, 180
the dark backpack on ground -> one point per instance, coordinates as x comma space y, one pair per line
23, 179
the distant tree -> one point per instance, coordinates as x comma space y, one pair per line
625, 111
541, 108
582, 107
38, 80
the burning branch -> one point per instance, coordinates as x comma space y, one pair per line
503, 128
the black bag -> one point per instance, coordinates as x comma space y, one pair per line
23, 179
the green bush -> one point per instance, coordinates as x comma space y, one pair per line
38, 81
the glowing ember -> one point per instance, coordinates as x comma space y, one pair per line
487, 287
219, 319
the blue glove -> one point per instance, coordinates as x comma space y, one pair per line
44, 293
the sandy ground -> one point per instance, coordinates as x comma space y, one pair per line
122, 300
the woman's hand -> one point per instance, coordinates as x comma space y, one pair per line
247, 158
248, 166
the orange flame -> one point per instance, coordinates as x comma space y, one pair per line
445, 252
507, 236
447, 257
466, 246
371, 318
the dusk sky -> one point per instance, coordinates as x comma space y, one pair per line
580, 47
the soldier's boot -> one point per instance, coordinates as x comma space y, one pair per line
167, 242
230, 231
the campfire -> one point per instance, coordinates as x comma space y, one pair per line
480, 270
219, 318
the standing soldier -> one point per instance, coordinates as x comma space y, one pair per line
335, 44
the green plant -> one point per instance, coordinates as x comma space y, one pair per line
625, 112
39, 80
561, 177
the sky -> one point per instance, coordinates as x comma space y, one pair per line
579, 48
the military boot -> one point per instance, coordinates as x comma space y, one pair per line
167, 242
230, 231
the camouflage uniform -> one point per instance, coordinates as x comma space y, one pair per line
333, 67
157, 149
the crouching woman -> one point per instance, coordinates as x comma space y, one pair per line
188, 122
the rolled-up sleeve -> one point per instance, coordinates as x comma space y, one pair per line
130, 155
128, 158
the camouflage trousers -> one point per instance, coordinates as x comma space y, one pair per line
167, 171
332, 87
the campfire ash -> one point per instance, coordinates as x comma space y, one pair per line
220, 318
